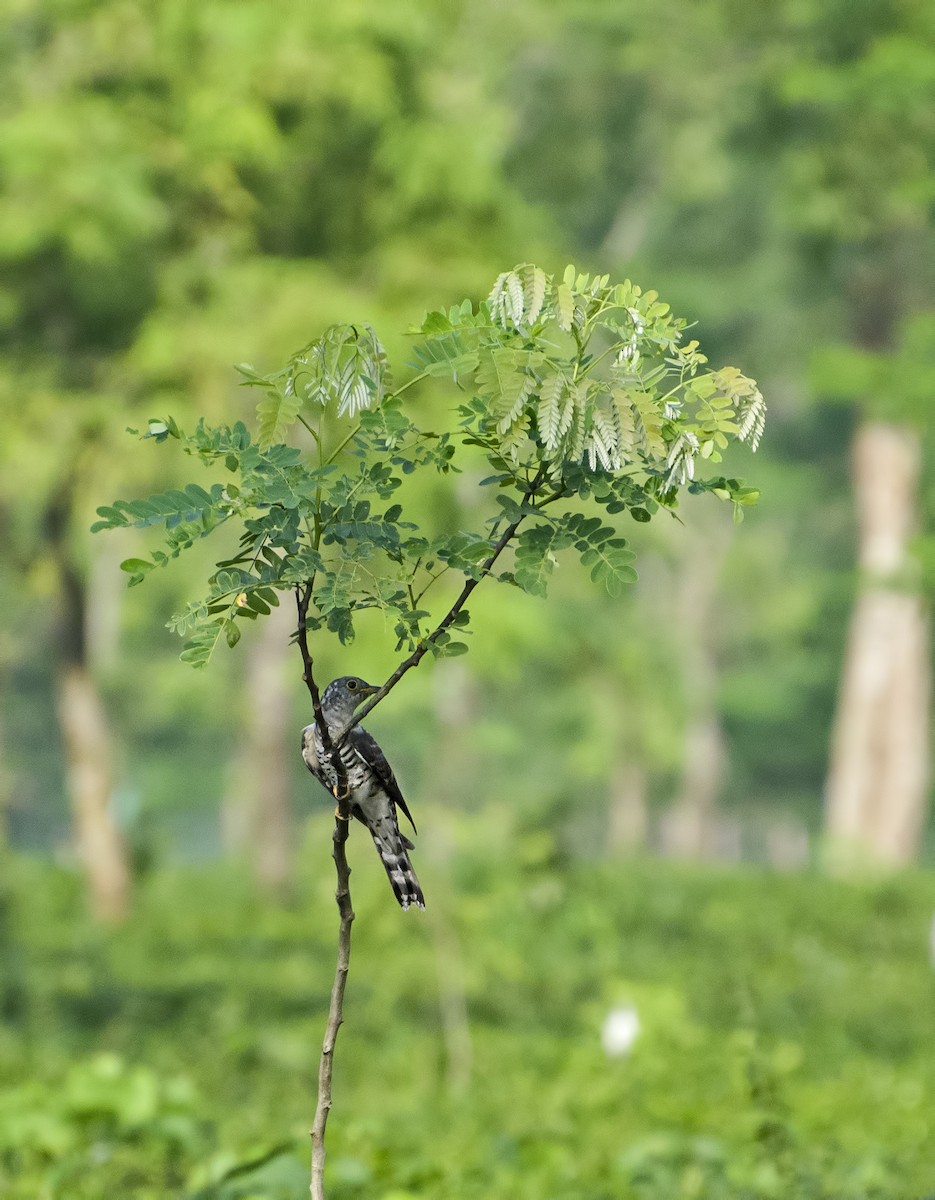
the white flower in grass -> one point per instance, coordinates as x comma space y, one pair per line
620, 1030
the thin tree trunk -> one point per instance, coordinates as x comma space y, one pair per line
688, 828
257, 812
85, 729
89, 775
106, 591
786, 843
628, 810
878, 777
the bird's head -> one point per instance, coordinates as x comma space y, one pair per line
343, 695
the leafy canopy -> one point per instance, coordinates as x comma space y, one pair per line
578, 392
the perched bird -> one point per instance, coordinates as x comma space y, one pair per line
375, 794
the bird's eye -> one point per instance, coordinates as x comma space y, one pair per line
352, 685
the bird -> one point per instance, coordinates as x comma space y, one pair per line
374, 792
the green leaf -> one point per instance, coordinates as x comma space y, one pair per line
345, 367
640, 415
610, 564
534, 291
341, 622
565, 306
517, 298
198, 650
503, 379
535, 560
276, 414
256, 604
511, 510
451, 353
554, 415
170, 507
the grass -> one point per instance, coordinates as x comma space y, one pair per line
785, 1044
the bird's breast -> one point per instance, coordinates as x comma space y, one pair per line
359, 775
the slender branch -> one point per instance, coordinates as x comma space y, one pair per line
561, 494
447, 620
337, 450
303, 598
432, 579
409, 383
600, 358
425, 645
303, 421
343, 898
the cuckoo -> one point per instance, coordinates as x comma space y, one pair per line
374, 792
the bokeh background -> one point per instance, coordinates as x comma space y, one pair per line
693, 820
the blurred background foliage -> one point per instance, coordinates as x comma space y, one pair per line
186, 186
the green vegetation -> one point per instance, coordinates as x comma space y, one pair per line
576, 391
573, 391
188, 186
784, 1050
185, 189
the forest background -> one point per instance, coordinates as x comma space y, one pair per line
185, 187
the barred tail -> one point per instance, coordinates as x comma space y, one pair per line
392, 848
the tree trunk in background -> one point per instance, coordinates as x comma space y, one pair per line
106, 591
85, 729
687, 829
257, 811
878, 777
628, 811
89, 777
787, 843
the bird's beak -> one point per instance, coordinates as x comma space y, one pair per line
369, 691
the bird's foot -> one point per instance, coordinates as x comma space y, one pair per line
339, 816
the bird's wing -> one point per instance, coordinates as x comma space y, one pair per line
309, 757
366, 746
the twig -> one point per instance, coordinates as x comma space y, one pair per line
345, 909
425, 645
